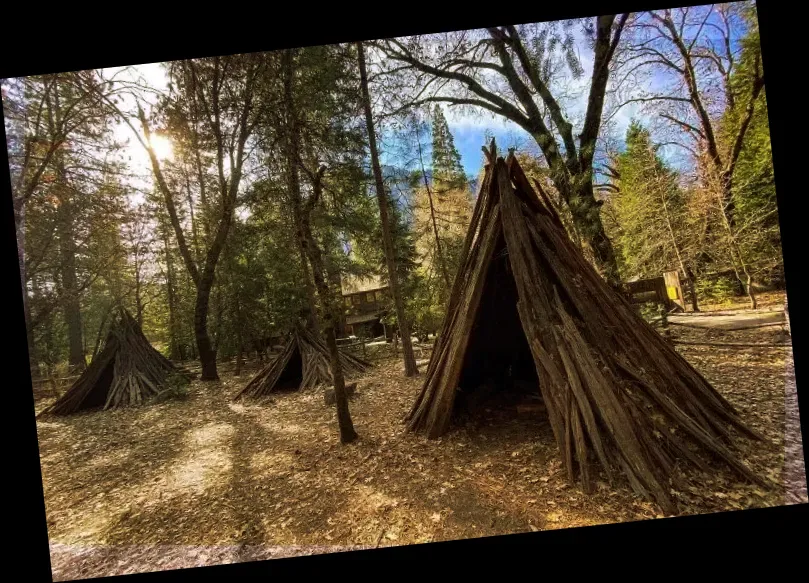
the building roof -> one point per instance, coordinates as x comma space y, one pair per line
359, 319
352, 285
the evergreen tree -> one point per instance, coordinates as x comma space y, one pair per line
650, 209
448, 173
753, 189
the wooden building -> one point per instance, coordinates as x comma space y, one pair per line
365, 303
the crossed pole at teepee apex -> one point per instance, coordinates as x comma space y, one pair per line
491, 153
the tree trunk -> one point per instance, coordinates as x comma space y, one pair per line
67, 252
347, 432
744, 278
687, 272
692, 287
19, 229
404, 327
748, 285
218, 313
237, 312
312, 252
194, 236
333, 274
174, 351
239, 356
311, 313
138, 298
585, 212
207, 355
439, 251
232, 150
71, 307
294, 184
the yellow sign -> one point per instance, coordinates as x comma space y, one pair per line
672, 292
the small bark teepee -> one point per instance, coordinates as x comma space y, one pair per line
127, 371
616, 393
303, 363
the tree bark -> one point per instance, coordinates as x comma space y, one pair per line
439, 251
347, 432
207, 354
293, 183
401, 317
71, 308
333, 277
174, 350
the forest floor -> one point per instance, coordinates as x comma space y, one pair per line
205, 481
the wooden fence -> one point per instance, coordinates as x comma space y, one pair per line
648, 290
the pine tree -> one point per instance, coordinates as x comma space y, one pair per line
753, 188
650, 209
448, 173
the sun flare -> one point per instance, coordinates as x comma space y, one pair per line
161, 146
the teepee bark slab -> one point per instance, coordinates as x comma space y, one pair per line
304, 363
617, 395
126, 371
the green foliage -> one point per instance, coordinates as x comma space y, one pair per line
176, 389
649, 209
753, 181
720, 290
447, 170
125, 253
649, 311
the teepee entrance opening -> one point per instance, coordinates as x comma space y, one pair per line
304, 363
292, 376
498, 371
98, 396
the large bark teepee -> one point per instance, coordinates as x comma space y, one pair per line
616, 393
127, 371
303, 363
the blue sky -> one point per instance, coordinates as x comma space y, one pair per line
469, 128
469, 131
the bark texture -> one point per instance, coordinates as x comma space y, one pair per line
617, 394
304, 363
127, 371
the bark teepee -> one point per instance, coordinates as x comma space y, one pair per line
127, 371
616, 393
303, 363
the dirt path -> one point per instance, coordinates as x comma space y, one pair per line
206, 481
737, 321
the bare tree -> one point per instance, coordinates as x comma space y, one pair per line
506, 71
223, 91
382, 198
43, 115
696, 50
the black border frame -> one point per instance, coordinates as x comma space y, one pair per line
75, 40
